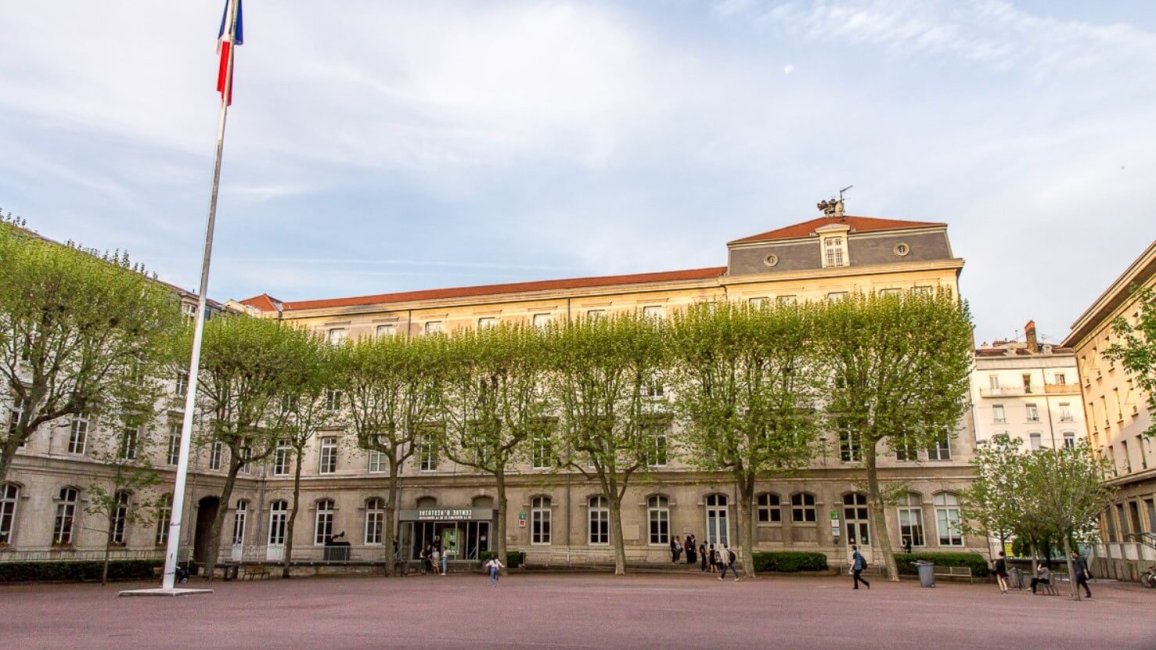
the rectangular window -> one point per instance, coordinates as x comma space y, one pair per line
332, 399
1033, 413
950, 532
1027, 383
769, 509
998, 414
595, 314
119, 519
281, 458
834, 252
540, 520
239, 516
1061, 379
922, 291
433, 327
487, 323
388, 329
374, 524
803, 508
655, 312
1066, 412
849, 447
1069, 439
216, 453
758, 302
890, 292
542, 454
1036, 440
911, 525
787, 300
328, 464
993, 382
164, 514
659, 525
836, 296
181, 386
78, 435
129, 442
541, 321
656, 447
9, 497
941, 449
906, 452
323, 524
376, 461
337, 335
599, 526
173, 452
427, 454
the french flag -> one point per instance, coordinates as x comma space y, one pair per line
225, 39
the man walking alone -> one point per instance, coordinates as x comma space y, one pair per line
1080, 567
727, 560
857, 566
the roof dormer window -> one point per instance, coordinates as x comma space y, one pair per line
834, 251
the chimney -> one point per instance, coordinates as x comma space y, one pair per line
1030, 333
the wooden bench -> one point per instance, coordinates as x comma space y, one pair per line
952, 572
254, 571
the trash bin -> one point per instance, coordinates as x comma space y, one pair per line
926, 573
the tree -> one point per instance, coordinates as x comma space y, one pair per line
993, 504
1136, 349
600, 374
245, 365
392, 388
899, 380
77, 331
494, 405
745, 381
306, 403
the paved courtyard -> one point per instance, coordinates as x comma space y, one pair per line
574, 611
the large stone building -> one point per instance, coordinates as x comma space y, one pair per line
555, 516
1118, 415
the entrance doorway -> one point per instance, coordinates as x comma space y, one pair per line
716, 520
855, 518
207, 509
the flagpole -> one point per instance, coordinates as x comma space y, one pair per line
174, 541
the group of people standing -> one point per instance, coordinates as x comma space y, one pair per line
1043, 577
709, 558
433, 559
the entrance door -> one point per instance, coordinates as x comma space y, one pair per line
278, 520
716, 520
855, 517
207, 509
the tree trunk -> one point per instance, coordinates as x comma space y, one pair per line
219, 520
1075, 591
107, 548
745, 489
288, 557
502, 505
6, 455
391, 513
616, 534
879, 514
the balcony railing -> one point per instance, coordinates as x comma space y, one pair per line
1062, 389
1002, 391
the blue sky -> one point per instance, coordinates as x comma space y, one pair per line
407, 145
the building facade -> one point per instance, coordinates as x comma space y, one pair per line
1118, 415
556, 516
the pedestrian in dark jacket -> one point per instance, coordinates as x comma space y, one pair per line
1080, 568
857, 566
702, 556
1001, 573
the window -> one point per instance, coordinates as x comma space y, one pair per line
855, 517
595, 314
658, 514
941, 448
834, 251
787, 300
281, 456
374, 520
768, 508
182, 384
803, 508
654, 312
540, 520
216, 452
388, 329
278, 517
164, 514
173, 452
78, 435
947, 519
922, 291
836, 296
890, 292
1066, 411
119, 522
332, 399
14, 413
758, 302
717, 522
1033, 413
1061, 379
656, 446
849, 446
9, 497
905, 451
433, 327
337, 335
998, 414
541, 321
65, 516
1037, 441
993, 382
427, 454
487, 322
323, 522
376, 461
1069, 439
129, 442
911, 519
245, 455
239, 516
599, 521
542, 448
1027, 383
328, 463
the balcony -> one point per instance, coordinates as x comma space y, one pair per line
1062, 389
1003, 391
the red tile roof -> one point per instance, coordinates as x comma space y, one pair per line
265, 303
858, 224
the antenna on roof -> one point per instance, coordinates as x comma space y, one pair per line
834, 207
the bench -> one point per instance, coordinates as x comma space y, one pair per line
952, 572
254, 571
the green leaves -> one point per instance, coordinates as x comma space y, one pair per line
1136, 347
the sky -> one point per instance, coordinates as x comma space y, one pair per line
375, 147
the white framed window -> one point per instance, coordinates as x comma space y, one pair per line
119, 518
427, 454
542, 448
836, 296
856, 519
282, 455
922, 290
323, 522
278, 520
332, 399
911, 519
1060, 378
595, 314
598, 521
337, 335
654, 312
1070, 442
376, 461
328, 456
541, 321
941, 448
658, 514
540, 520
834, 251
240, 514
78, 435
998, 414
173, 450
1037, 440
656, 449
9, 498
993, 382
768, 508
65, 520
947, 519
803, 508
890, 292
433, 327
374, 520
758, 302
216, 454
14, 413
245, 454
906, 452
1027, 378
181, 386
487, 322
1065, 410
129, 443
850, 447
1033, 413
787, 300
717, 526
164, 514
386, 329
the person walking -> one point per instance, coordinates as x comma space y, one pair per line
857, 566
728, 562
712, 556
691, 556
702, 556
1001, 573
675, 547
493, 566
1080, 567
445, 562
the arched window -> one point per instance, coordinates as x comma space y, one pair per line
9, 497
164, 514
323, 526
599, 518
911, 519
374, 520
803, 508
855, 518
540, 520
769, 508
947, 519
717, 530
658, 513
278, 517
119, 518
65, 516
239, 517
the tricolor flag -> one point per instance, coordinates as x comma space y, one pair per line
225, 39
